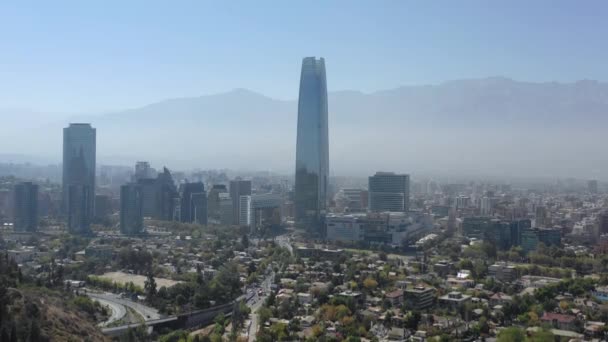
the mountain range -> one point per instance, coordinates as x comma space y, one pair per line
493, 126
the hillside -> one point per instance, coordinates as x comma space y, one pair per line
30, 313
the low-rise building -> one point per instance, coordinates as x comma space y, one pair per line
419, 297
454, 300
503, 272
395, 297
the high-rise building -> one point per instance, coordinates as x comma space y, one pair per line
79, 155
312, 147
131, 209
238, 188
389, 192
26, 207
166, 197
193, 203
245, 211
79, 213
150, 191
592, 186
213, 201
143, 171
226, 210
266, 210
198, 210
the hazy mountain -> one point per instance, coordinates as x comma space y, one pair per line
482, 126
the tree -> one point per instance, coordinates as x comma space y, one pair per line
245, 241
150, 287
370, 284
511, 334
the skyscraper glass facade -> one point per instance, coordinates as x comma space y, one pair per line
79, 155
312, 146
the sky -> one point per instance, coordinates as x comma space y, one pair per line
96, 56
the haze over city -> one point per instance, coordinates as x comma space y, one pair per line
481, 90
267, 171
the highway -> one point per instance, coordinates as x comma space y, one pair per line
117, 312
146, 312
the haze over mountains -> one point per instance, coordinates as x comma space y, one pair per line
492, 126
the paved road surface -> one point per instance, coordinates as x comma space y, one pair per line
117, 311
256, 303
148, 313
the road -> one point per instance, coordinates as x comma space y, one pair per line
146, 312
255, 303
117, 312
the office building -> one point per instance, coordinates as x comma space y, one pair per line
79, 155
419, 297
143, 171
198, 209
149, 190
167, 197
238, 188
245, 211
345, 228
312, 147
79, 213
226, 209
131, 209
193, 199
266, 210
213, 201
26, 207
389, 192
530, 238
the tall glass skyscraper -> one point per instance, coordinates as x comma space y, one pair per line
79, 154
312, 147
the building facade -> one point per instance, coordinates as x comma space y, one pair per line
312, 147
238, 188
193, 208
26, 207
389, 192
131, 209
79, 158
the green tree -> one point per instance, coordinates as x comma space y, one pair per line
150, 287
511, 334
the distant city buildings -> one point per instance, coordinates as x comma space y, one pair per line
389, 192
143, 171
26, 207
312, 147
131, 209
213, 201
238, 188
391, 228
79, 156
245, 210
193, 208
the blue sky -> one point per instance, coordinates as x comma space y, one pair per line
93, 56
